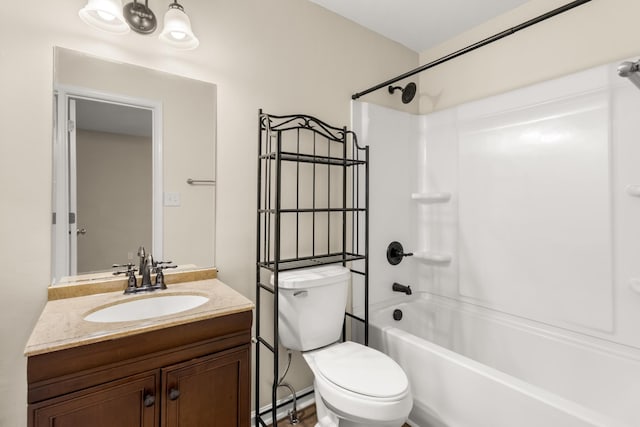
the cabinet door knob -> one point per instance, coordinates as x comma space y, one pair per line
149, 400
174, 393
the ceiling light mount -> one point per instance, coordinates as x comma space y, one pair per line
140, 18
176, 5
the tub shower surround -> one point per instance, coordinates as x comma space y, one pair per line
523, 211
470, 368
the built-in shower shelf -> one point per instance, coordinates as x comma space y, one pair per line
431, 197
433, 257
633, 190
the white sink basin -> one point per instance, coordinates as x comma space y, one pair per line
146, 308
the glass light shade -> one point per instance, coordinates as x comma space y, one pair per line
177, 30
105, 15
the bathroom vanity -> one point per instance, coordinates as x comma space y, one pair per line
184, 369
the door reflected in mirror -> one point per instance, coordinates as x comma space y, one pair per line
113, 181
127, 140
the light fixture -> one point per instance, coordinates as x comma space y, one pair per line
105, 15
177, 28
109, 15
140, 18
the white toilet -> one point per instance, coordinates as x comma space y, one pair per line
355, 385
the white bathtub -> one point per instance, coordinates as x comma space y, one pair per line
471, 368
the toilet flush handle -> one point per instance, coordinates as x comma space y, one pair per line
300, 293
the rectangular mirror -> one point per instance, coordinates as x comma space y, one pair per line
134, 165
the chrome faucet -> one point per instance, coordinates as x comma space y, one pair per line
141, 254
146, 266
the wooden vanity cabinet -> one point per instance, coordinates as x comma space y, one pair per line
191, 375
204, 392
119, 403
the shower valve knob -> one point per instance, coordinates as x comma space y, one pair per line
395, 253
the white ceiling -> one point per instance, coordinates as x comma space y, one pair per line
419, 24
113, 118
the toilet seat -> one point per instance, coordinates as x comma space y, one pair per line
361, 370
360, 383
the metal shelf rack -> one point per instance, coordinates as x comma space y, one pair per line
312, 210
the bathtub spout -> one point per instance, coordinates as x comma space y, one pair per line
397, 287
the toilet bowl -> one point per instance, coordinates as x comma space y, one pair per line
355, 385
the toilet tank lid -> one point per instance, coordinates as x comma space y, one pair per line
312, 277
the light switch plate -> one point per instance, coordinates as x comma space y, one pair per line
171, 199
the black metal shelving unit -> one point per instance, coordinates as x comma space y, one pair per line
313, 204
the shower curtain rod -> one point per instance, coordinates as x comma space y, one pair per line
474, 46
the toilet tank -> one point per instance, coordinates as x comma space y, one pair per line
312, 303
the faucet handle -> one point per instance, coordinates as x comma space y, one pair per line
160, 279
129, 268
131, 278
395, 253
157, 268
128, 265
162, 265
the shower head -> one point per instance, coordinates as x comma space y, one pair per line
630, 70
408, 92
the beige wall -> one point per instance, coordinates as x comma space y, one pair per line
114, 202
286, 56
592, 34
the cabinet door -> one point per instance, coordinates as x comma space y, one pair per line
211, 391
130, 402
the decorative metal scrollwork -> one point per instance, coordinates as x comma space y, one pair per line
284, 123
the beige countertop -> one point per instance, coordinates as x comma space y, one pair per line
62, 325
